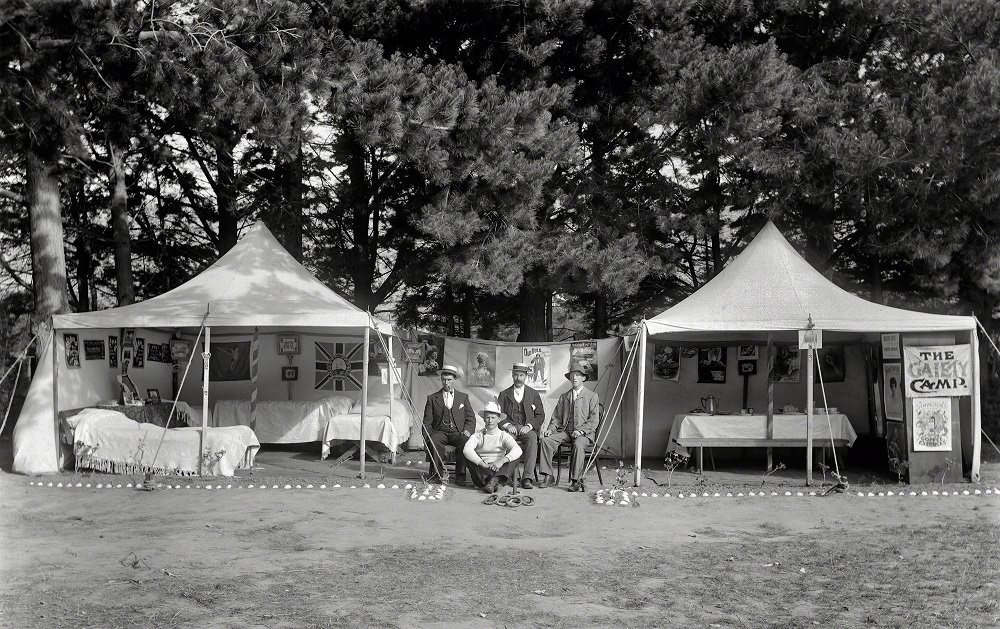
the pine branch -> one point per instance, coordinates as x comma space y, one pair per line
13, 196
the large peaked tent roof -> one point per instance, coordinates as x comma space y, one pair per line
257, 283
769, 287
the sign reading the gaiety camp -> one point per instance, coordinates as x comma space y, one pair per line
938, 370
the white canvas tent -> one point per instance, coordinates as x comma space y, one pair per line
256, 285
768, 293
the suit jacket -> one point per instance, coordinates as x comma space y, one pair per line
586, 415
531, 406
434, 412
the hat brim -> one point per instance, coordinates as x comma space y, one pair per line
579, 371
441, 372
501, 416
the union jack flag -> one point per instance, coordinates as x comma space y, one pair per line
339, 366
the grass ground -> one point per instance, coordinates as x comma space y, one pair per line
372, 557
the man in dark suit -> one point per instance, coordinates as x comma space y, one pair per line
523, 407
574, 421
448, 420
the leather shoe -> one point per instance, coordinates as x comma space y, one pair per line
546, 481
526, 483
576, 486
459, 481
492, 485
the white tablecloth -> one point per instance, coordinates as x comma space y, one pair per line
786, 426
348, 428
277, 422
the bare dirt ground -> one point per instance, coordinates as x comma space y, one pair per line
372, 557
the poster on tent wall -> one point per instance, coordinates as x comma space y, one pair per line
376, 357
666, 362
153, 353
932, 424
830, 364
892, 390
540, 359
481, 366
786, 364
432, 354
712, 365
339, 366
414, 351
890, 347
937, 370
113, 352
93, 349
584, 353
71, 345
139, 357
229, 362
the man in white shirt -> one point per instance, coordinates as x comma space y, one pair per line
491, 452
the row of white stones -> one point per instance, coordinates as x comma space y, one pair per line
439, 489
964, 492
410, 486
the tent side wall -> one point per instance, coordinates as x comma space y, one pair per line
666, 398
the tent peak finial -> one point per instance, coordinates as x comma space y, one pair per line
810, 325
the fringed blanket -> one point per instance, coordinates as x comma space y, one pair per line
107, 441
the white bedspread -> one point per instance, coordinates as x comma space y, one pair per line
108, 441
277, 422
348, 427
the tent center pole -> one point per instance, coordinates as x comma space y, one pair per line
364, 402
770, 398
206, 359
809, 414
641, 405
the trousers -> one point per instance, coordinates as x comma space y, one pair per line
435, 452
577, 457
482, 475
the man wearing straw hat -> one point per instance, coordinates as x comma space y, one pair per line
448, 421
574, 421
522, 406
491, 452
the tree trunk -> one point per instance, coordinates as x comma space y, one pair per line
600, 330
532, 300
225, 190
289, 172
84, 253
360, 194
120, 227
48, 257
468, 306
449, 299
714, 183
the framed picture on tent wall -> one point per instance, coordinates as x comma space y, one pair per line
179, 350
113, 352
747, 352
139, 357
666, 362
540, 359
414, 351
288, 344
892, 390
830, 364
71, 344
482, 366
433, 354
93, 349
786, 363
712, 365
890, 347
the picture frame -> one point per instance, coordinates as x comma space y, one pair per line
747, 352
746, 367
113, 352
153, 395
139, 358
130, 395
787, 362
71, 345
890, 346
93, 349
289, 345
180, 350
893, 391
712, 365
289, 373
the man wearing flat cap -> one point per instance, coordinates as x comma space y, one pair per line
574, 421
448, 421
523, 407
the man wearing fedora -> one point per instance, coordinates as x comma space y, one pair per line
574, 421
491, 452
448, 420
522, 406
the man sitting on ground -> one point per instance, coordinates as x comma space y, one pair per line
574, 421
491, 451
448, 420
525, 414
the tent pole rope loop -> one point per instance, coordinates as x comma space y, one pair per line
826, 410
20, 356
180, 388
428, 442
19, 363
626, 371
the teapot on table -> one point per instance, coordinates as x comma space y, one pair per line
710, 404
